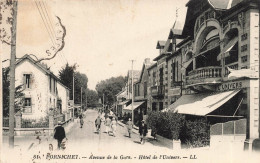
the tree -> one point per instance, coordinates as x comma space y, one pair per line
92, 98
80, 82
110, 87
18, 93
66, 76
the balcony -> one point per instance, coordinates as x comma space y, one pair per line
158, 91
204, 75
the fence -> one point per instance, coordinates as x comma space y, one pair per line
237, 127
6, 122
228, 132
33, 124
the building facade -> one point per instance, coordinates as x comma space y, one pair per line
43, 91
220, 59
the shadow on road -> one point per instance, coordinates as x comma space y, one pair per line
137, 142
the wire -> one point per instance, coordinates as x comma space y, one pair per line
44, 21
50, 29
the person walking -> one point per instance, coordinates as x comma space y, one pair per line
98, 123
113, 126
143, 131
81, 120
129, 126
59, 133
107, 123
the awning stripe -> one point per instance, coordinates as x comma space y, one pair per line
201, 104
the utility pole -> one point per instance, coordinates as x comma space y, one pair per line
12, 75
73, 96
132, 105
81, 98
86, 100
103, 103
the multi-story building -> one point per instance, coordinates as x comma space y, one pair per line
141, 93
220, 59
164, 75
43, 91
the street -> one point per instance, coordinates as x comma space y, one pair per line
84, 144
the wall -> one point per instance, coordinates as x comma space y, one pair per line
62, 93
38, 91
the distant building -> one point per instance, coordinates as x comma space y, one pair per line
43, 91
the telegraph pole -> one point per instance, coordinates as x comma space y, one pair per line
132, 105
103, 103
81, 98
12, 75
73, 96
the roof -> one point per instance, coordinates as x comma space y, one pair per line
223, 4
160, 44
39, 65
145, 66
136, 73
176, 30
151, 66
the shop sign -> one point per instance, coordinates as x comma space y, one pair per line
231, 86
174, 92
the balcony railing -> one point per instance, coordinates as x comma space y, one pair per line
158, 91
204, 75
233, 66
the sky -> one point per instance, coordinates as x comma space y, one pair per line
102, 36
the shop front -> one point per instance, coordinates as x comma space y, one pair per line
225, 102
137, 109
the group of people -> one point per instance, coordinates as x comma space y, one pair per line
110, 127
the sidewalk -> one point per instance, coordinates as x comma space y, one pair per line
47, 140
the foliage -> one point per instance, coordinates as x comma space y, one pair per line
6, 94
166, 124
66, 76
80, 82
92, 98
196, 133
110, 87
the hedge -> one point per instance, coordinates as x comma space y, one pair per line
166, 124
193, 133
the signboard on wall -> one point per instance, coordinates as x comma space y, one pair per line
232, 85
174, 92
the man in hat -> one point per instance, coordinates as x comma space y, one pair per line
143, 131
59, 134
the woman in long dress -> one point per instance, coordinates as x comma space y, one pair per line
113, 126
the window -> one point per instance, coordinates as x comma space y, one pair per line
27, 80
27, 105
27, 102
173, 72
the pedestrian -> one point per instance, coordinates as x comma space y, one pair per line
59, 134
113, 126
107, 123
129, 126
98, 123
142, 131
81, 121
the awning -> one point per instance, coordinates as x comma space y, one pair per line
201, 104
135, 105
228, 48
